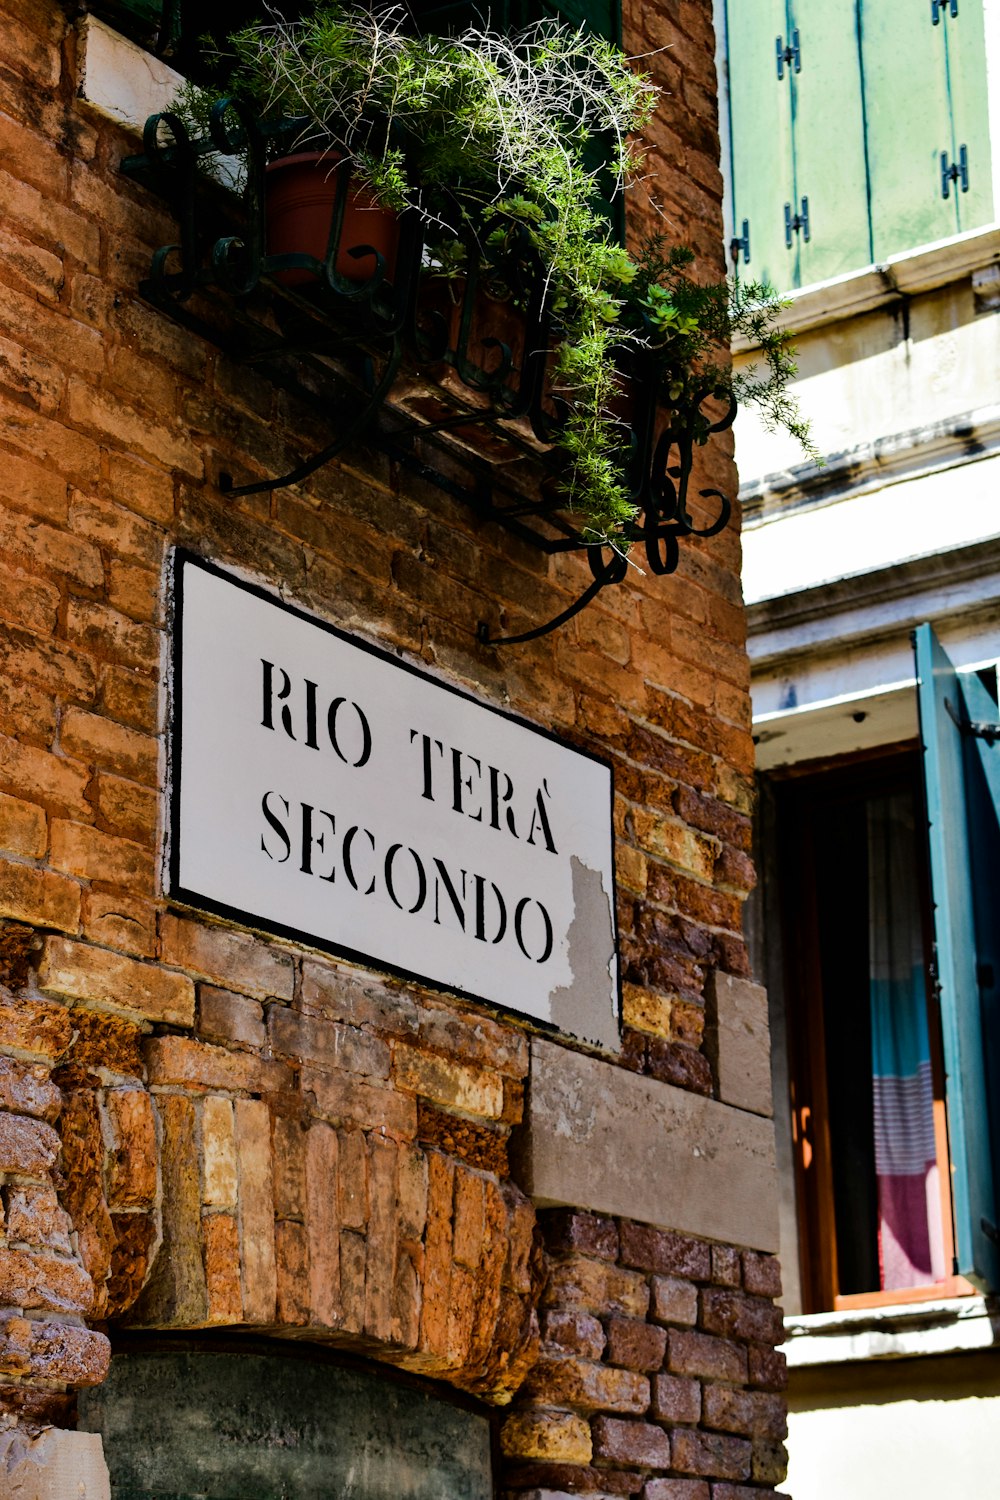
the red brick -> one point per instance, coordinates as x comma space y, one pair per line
769, 1461
573, 1331
176, 1059
761, 1274
749, 1413
674, 1301
697, 1354
306, 1038
38, 1279
225, 1017
768, 1367
233, 959
131, 1179
341, 1098
635, 1443
22, 827
87, 852
587, 1387
221, 1241
726, 1266
597, 1286
665, 1252
49, 1350
101, 742
676, 1399
81, 972
737, 1316
39, 897
711, 1454
676, 1489
635, 1345
586, 1233
36, 1218
38, 776
27, 1089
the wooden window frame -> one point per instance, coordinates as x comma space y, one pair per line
799, 792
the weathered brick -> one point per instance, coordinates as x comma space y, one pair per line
131, 1178
677, 1489
589, 1234
99, 741
690, 1353
37, 1027
310, 1039
674, 1301
665, 1252
103, 1039
726, 1266
22, 827
44, 1349
761, 1274
635, 1443
28, 1147
575, 1332
27, 1089
635, 1345
35, 1217
768, 1367
229, 958
117, 920
558, 1436
710, 1453
78, 971
221, 1241
340, 1098
256, 1210
587, 1386
81, 850
675, 1399
38, 1279
597, 1286
289, 1167
176, 1059
40, 897
738, 1316
475, 1091
225, 1017
749, 1413
769, 1461
322, 1225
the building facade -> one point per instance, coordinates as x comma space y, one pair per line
869, 581
280, 1217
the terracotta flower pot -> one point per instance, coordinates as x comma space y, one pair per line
302, 193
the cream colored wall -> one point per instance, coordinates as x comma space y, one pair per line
926, 1429
876, 375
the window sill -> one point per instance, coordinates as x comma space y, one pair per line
119, 79
921, 270
903, 1331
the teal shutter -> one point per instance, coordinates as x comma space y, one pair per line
965, 53
828, 142
962, 779
763, 174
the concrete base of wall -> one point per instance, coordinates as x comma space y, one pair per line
55, 1465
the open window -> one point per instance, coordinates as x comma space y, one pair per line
886, 865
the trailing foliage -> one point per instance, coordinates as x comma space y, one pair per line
497, 131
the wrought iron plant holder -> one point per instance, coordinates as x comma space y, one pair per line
362, 335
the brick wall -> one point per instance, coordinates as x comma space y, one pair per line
201, 1128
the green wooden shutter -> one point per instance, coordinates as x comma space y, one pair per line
962, 779
965, 54
761, 109
828, 141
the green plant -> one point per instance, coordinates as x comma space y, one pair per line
495, 131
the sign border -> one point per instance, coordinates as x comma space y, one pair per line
181, 895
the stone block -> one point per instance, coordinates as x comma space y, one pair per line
737, 1042
55, 1465
27, 1089
604, 1139
36, 1217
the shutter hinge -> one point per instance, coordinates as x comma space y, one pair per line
797, 223
941, 8
954, 172
740, 243
790, 55
976, 729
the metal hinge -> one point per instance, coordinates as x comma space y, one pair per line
976, 729
797, 223
792, 54
954, 172
941, 8
740, 245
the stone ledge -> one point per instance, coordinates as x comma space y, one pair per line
601, 1138
55, 1465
